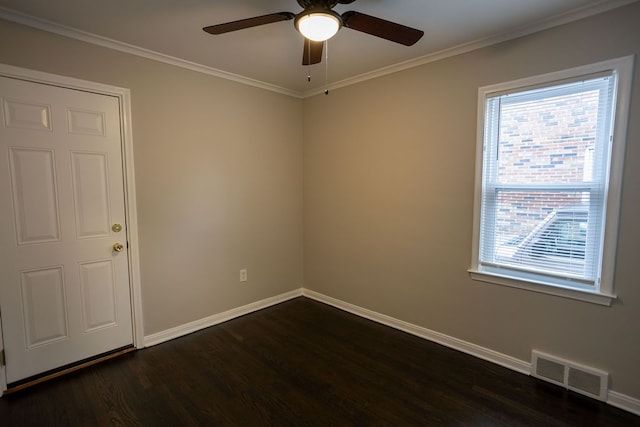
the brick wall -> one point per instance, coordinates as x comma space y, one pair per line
548, 141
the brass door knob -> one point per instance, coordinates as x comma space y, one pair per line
118, 247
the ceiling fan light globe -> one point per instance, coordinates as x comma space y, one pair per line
318, 26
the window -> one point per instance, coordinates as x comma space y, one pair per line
548, 180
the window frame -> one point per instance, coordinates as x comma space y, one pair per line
603, 292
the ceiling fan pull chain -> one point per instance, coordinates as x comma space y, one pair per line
308, 42
326, 67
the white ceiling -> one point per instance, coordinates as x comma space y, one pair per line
272, 54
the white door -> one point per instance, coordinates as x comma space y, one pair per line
64, 290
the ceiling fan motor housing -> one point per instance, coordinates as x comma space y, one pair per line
324, 4
318, 21
315, 9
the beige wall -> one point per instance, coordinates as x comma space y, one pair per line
388, 203
218, 177
388, 192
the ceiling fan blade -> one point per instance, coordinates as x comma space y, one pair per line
312, 53
249, 22
345, 1
381, 28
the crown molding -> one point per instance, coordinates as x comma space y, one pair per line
554, 21
62, 30
564, 18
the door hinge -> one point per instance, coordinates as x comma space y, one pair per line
2, 358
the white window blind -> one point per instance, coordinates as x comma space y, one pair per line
544, 181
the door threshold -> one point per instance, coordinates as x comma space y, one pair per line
67, 369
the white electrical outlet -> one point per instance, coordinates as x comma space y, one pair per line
243, 275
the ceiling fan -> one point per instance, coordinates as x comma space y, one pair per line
318, 22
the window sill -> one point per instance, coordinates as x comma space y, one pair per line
587, 296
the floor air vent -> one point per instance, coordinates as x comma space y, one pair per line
579, 378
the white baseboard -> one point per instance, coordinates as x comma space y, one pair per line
623, 401
178, 331
446, 340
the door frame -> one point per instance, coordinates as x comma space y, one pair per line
131, 215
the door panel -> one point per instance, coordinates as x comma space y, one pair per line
32, 172
91, 194
98, 295
45, 308
64, 291
86, 122
27, 115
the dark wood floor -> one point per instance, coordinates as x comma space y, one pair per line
302, 363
